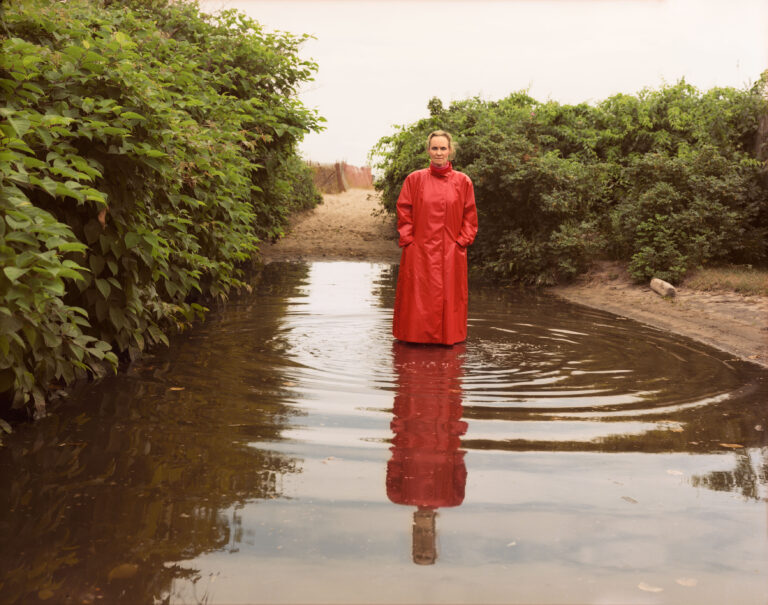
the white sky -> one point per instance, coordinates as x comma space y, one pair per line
382, 60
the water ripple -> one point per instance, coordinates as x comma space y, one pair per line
534, 369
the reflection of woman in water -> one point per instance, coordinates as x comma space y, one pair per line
437, 220
427, 469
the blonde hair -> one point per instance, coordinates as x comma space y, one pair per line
447, 135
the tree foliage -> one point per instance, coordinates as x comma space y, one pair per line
666, 180
145, 151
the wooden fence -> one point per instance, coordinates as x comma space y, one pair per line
338, 177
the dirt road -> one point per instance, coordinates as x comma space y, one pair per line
343, 227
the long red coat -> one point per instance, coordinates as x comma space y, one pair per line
437, 220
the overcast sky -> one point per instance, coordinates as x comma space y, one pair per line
382, 60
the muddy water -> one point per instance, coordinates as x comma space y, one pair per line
287, 451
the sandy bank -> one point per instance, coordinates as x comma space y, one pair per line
728, 321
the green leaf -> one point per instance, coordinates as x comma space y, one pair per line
51, 340
68, 189
21, 237
19, 125
14, 224
117, 317
71, 274
14, 273
132, 239
45, 135
132, 115
103, 286
10, 324
72, 247
56, 286
96, 262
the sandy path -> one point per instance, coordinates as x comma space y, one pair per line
344, 228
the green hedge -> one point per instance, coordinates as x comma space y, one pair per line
145, 151
665, 180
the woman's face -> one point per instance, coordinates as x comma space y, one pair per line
439, 150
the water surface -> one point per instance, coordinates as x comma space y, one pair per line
288, 451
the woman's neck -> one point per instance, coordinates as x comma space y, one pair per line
440, 170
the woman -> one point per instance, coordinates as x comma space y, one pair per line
436, 220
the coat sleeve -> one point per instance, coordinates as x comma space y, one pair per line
405, 213
469, 219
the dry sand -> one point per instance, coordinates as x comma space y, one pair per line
344, 228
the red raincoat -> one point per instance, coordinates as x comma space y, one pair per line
437, 220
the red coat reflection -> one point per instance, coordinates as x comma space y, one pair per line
427, 467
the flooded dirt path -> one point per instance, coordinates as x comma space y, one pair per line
344, 228
288, 451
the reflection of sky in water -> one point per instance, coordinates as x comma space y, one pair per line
256, 451
535, 526
552, 528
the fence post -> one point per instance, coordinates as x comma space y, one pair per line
340, 182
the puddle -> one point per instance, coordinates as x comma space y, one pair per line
288, 451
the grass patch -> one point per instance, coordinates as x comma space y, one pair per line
743, 279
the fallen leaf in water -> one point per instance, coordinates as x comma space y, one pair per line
176, 389
734, 446
123, 571
45, 594
628, 499
674, 472
649, 588
687, 581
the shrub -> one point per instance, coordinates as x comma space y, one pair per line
665, 180
146, 150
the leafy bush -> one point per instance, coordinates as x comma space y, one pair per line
690, 191
665, 180
536, 175
146, 150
